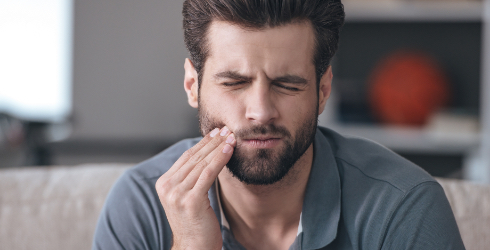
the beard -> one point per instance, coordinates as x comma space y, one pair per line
264, 166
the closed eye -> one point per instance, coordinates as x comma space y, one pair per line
287, 87
231, 84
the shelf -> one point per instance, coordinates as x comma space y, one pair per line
413, 140
393, 10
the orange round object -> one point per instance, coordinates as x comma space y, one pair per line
406, 88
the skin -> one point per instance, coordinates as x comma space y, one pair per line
260, 91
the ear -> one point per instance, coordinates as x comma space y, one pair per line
191, 84
324, 89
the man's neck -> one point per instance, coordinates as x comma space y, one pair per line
266, 216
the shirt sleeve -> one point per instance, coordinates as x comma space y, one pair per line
423, 220
132, 217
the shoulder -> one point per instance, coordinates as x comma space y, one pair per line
139, 181
386, 199
143, 176
162, 162
371, 161
132, 207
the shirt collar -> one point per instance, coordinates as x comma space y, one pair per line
321, 206
223, 220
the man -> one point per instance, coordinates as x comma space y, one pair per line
264, 176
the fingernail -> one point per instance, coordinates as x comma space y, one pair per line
227, 149
224, 131
230, 138
214, 132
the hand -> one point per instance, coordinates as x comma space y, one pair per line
183, 192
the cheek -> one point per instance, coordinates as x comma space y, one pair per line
223, 108
224, 104
302, 115
299, 108
295, 116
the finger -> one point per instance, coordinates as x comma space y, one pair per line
199, 156
192, 151
209, 174
196, 172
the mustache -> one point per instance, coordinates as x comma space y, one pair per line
254, 130
270, 129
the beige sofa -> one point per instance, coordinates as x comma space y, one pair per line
57, 207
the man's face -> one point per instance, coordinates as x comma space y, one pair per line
261, 85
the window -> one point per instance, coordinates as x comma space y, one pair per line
36, 59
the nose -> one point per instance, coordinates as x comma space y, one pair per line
261, 104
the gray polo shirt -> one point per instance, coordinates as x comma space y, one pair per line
360, 195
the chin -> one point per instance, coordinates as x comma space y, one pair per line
263, 166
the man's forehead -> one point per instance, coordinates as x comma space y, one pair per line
233, 47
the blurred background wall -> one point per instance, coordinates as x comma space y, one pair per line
128, 71
128, 96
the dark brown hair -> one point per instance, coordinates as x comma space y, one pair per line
326, 17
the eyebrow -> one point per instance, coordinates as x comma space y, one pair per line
294, 79
232, 75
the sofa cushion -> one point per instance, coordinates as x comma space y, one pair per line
53, 207
471, 207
